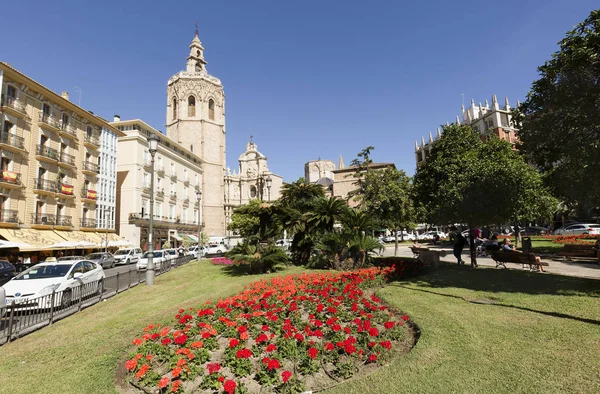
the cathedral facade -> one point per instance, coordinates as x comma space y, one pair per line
195, 119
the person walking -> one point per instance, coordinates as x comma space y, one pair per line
458, 245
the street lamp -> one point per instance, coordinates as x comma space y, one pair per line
153, 141
199, 197
269, 180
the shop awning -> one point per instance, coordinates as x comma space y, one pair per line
12, 245
192, 237
34, 239
80, 239
114, 240
177, 237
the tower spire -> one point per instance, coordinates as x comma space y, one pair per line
196, 28
341, 163
195, 60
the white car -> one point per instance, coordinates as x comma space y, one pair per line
284, 243
64, 277
579, 229
215, 249
158, 257
430, 234
128, 255
2, 302
194, 250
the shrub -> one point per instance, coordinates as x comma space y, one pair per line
403, 267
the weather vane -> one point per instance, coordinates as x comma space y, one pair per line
196, 27
251, 138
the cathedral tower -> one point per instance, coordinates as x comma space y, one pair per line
196, 120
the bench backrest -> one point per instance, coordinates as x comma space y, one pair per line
578, 247
514, 257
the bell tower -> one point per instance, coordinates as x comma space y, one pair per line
196, 120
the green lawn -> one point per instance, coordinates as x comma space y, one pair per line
541, 336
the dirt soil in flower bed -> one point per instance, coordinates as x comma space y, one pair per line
285, 335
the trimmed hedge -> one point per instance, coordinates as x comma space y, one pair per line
405, 267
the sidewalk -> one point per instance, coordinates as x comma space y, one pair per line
578, 269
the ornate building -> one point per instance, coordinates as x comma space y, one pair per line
253, 180
196, 121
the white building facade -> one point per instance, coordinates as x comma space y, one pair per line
107, 180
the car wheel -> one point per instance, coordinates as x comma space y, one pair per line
113, 264
100, 287
127, 262
66, 300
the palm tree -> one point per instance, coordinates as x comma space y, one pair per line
300, 194
259, 258
325, 213
358, 221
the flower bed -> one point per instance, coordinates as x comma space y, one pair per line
221, 261
283, 335
584, 239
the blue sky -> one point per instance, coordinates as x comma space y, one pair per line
308, 78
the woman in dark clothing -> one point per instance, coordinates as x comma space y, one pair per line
459, 244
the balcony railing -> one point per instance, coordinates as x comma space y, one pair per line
92, 167
173, 196
14, 103
186, 182
50, 120
88, 223
160, 193
11, 177
12, 140
174, 176
43, 218
66, 158
45, 185
68, 128
62, 220
92, 139
9, 216
43, 150
160, 170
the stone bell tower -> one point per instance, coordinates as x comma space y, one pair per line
196, 120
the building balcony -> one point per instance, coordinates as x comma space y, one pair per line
90, 168
186, 182
65, 190
43, 219
88, 195
9, 218
10, 179
160, 194
91, 141
186, 201
162, 221
174, 176
12, 142
67, 130
47, 154
173, 197
88, 223
160, 171
66, 160
63, 221
13, 106
49, 121
43, 186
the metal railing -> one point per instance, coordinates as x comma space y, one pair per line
25, 315
46, 185
63, 220
89, 166
11, 177
88, 223
12, 140
92, 139
68, 128
9, 216
43, 150
13, 102
50, 120
66, 158
43, 218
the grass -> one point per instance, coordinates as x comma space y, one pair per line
542, 334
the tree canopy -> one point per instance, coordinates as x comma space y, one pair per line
559, 123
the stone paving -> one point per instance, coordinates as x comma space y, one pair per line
574, 268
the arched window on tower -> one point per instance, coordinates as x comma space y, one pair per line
191, 106
211, 109
174, 108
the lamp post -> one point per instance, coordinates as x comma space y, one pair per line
268, 181
199, 197
153, 141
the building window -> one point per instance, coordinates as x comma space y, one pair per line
11, 94
174, 108
211, 109
191, 106
253, 192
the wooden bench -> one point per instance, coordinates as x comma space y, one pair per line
578, 250
526, 258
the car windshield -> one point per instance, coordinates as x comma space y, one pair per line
213, 246
44, 271
153, 254
171, 251
94, 256
122, 252
594, 226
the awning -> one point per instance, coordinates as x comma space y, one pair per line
80, 239
10, 245
192, 237
35, 239
177, 237
114, 240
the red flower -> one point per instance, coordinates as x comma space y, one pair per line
197, 345
137, 341
372, 358
213, 367
181, 340
371, 344
299, 337
373, 331
329, 346
336, 327
176, 372
131, 365
163, 383
386, 344
262, 338
273, 364
175, 386
389, 324
404, 317
312, 352
229, 386
221, 378
265, 328
244, 353
271, 348
140, 374
233, 343
286, 375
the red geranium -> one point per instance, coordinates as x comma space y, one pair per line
163, 383
389, 324
229, 386
213, 367
181, 340
233, 343
271, 348
285, 376
243, 353
131, 365
312, 352
273, 364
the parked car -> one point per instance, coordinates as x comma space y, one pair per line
128, 255
215, 249
158, 257
283, 243
2, 302
28, 288
105, 259
579, 229
7, 271
194, 250
534, 230
171, 254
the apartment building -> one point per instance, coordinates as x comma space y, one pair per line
177, 174
49, 162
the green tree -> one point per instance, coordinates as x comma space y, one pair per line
559, 123
243, 223
258, 258
467, 181
387, 195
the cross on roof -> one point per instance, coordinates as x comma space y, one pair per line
196, 27
251, 138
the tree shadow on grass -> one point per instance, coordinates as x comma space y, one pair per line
507, 280
242, 270
499, 304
